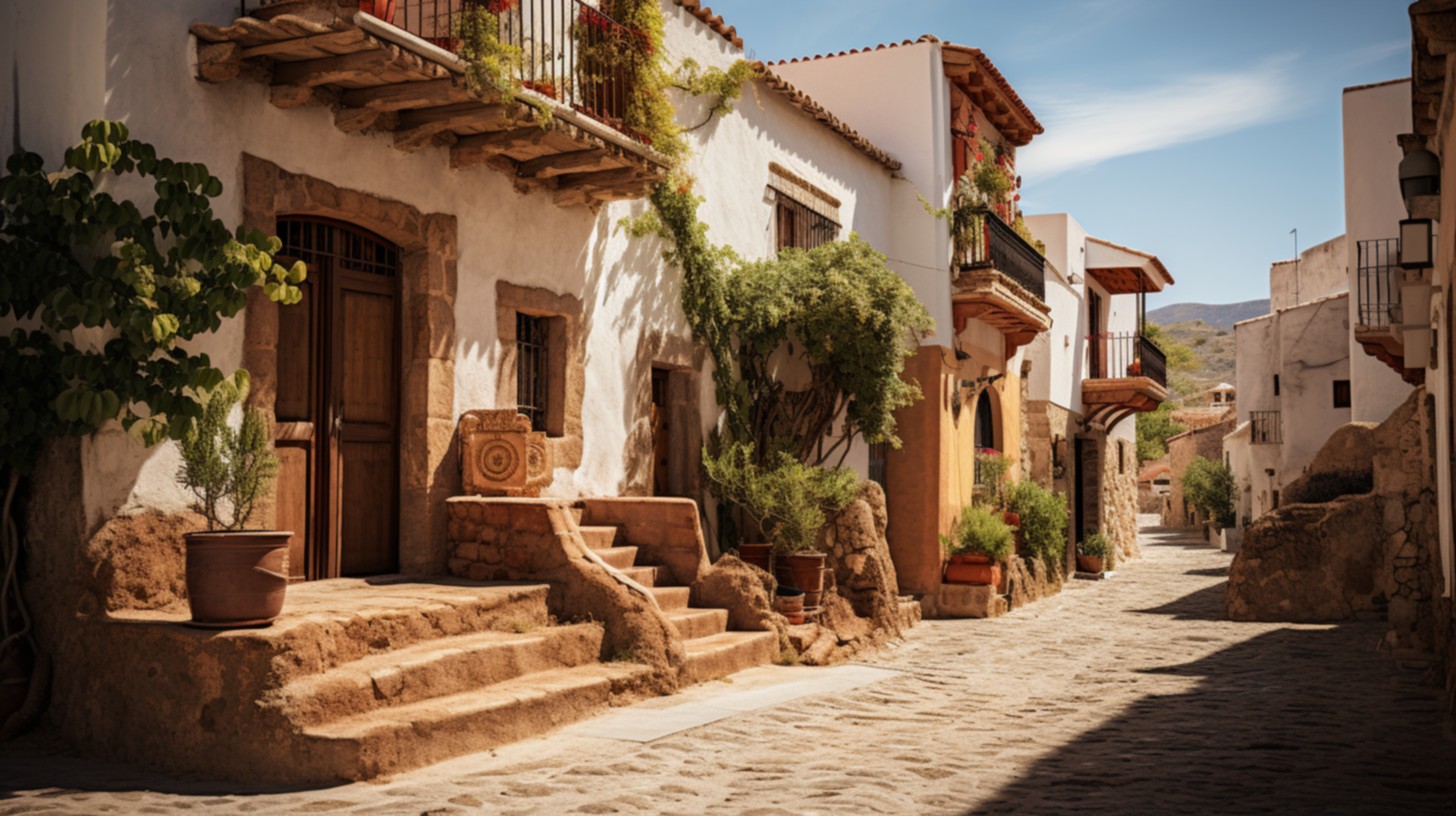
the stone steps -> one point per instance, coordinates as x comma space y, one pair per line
646, 576
431, 730
599, 538
671, 597
696, 622
709, 658
437, 668
619, 557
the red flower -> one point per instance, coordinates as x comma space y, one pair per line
500, 6
1016, 197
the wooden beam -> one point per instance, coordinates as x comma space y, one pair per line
304, 47
557, 164
218, 62
472, 150
362, 120
601, 180
406, 95
294, 96
418, 128
359, 66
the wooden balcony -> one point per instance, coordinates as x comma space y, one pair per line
404, 80
1126, 374
1001, 281
1378, 277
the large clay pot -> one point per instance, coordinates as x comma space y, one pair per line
978, 570
802, 571
756, 554
383, 9
236, 578
1091, 563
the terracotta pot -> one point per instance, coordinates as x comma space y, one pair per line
802, 571
236, 578
383, 9
1091, 563
1011, 519
789, 605
756, 554
812, 599
978, 570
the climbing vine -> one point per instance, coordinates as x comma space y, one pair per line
726, 87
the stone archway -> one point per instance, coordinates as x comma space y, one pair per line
428, 472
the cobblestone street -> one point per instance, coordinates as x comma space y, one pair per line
1130, 695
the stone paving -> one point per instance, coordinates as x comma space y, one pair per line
1131, 695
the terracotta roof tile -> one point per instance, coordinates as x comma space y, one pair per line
711, 20
803, 102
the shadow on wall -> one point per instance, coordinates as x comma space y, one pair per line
1264, 729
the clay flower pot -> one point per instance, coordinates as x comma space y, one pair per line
756, 554
238, 578
789, 601
977, 570
802, 571
1091, 563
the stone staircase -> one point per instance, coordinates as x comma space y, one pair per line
712, 650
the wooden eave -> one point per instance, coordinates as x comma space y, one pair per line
418, 94
1121, 281
993, 298
1386, 346
1110, 400
1433, 39
989, 90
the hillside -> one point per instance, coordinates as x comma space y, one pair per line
1214, 348
1217, 315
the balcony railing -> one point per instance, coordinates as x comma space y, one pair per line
998, 246
1111, 356
1264, 428
1379, 281
571, 51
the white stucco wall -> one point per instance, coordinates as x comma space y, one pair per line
1321, 271
1371, 118
1059, 356
1256, 350
131, 62
1313, 353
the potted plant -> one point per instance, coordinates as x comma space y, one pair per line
1093, 553
979, 542
991, 470
758, 554
235, 576
789, 602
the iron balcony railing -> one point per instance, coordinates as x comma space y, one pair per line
1111, 356
1264, 428
1379, 282
573, 52
997, 246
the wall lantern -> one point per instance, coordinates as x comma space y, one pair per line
1420, 175
1415, 243
1415, 328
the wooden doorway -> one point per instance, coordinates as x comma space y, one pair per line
338, 402
661, 434
1089, 487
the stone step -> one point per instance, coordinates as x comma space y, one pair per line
646, 576
696, 623
599, 537
619, 557
437, 668
393, 739
671, 597
709, 658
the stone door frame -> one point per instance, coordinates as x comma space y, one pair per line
428, 244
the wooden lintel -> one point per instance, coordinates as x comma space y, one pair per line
406, 95
303, 47
473, 150
360, 65
578, 161
602, 180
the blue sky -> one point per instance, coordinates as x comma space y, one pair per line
1200, 131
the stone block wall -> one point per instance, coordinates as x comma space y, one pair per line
1119, 495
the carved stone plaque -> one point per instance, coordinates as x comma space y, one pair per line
501, 455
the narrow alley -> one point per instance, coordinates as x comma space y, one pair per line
1129, 695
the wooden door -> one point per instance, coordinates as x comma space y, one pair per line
338, 403
661, 434
1089, 487
1097, 344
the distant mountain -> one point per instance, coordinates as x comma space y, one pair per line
1217, 315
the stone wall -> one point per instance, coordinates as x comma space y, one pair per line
1119, 495
1206, 442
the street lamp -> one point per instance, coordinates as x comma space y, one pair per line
1420, 175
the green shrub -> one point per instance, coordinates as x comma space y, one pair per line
1210, 487
991, 468
789, 499
1095, 545
980, 531
226, 468
1044, 517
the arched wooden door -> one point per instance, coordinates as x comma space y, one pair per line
338, 402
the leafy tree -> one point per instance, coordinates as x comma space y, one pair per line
1154, 428
1210, 487
1044, 518
788, 498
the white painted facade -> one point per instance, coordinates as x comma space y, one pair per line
1371, 118
77, 60
1320, 271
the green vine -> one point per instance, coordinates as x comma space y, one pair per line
724, 86
493, 66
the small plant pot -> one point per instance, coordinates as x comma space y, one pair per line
802, 571
236, 579
756, 554
1091, 563
976, 570
382, 9
789, 602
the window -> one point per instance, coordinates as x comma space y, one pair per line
531, 368
1121, 457
1276, 385
799, 226
879, 451
1342, 393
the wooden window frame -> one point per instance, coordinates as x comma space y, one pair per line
1341, 395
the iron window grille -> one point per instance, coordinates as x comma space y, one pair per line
1264, 428
322, 242
531, 373
798, 225
1379, 281
879, 451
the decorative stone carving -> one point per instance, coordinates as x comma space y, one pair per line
501, 455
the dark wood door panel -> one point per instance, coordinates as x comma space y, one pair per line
367, 508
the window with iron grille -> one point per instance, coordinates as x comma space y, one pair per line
879, 451
799, 226
531, 371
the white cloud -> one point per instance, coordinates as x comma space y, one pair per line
1084, 128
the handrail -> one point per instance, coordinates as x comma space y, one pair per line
1111, 356
1379, 282
994, 244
